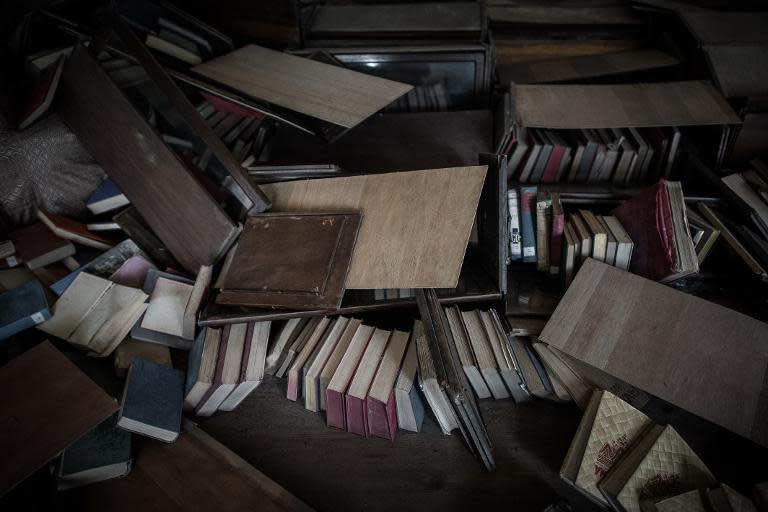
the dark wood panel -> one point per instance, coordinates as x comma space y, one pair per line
177, 208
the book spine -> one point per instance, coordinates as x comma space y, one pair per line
527, 200
556, 243
356, 418
515, 240
335, 414
25, 323
543, 216
553, 165
378, 418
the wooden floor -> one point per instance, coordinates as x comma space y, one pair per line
336, 471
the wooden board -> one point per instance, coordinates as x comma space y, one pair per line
739, 71
172, 202
416, 224
330, 93
293, 261
48, 405
702, 357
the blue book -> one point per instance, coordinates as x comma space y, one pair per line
106, 197
152, 400
527, 208
22, 308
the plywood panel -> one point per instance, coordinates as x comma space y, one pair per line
702, 357
416, 224
331, 93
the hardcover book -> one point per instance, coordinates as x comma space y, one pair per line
21, 308
381, 406
410, 406
354, 398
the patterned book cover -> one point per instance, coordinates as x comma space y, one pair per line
617, 424
687, 502
670, 467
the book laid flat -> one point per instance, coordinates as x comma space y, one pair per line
177, 208
95, 314
656, 221
106, 198
228, 363
252, 366
133, 272
330, 93
334, 360
201, 367
626, 343
359, 386
311, 374
337, 387
409, 217
380, 404
21, 308
152, 401
69, 229
659, 458
466, 353
37, 246
294, 373
101, 454
410, 407
294, 261
129, 349
60, 405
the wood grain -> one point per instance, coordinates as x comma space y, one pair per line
416, 224
699, 356
175, 205
330, 93
48, 405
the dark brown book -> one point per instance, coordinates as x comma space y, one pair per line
53, 406
37, 246
294, 261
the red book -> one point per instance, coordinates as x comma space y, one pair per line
382, 417
354, 399
337, 387
553, 165
380, 404
230, 107
647, 219
556, 237
37, 246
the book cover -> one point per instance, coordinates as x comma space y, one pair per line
527, 202
337, 387
354, 398
22, 308
515, 239
106, 198
37, 246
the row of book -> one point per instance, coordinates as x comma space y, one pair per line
617, 155
621, 460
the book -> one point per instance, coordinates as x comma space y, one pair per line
543, 228
295, 371
354, 398
252, 366
610, 242
311, 376
22, 308
656, 221
435, 395
337, 387
533, 156
129, 349
527, 206
465, 352
748, 199
719, 222
172, 50
173, 305
708, 234
133, 272
570, 252
560, 372
334, 359
201, 366
624, 244
105, 265
227, 373
295, 348
552, 168
37, 246
380, 403
486, 360
288, 333
95, 314
530, 376
106, 198
69, 229
597, 233
497, 339
42, 94
410, 407
583, 236
660, 459
101, 454
152, 401
515, 238
556, 235
7, 249
544, 156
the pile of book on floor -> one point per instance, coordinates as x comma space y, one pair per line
620, 459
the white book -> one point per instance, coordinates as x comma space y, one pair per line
466, 356
252, 369
515, 240
227, 371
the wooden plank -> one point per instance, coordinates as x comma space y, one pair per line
702, 357
177, 208
516, 51
330, 93
48, 405
416, 224
739, 71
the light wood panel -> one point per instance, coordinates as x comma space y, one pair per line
330, 93
702, 357
416, 224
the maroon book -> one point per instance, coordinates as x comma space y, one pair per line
334, 410
230, 107
647, 219
557, 233
382, 417
553, 165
